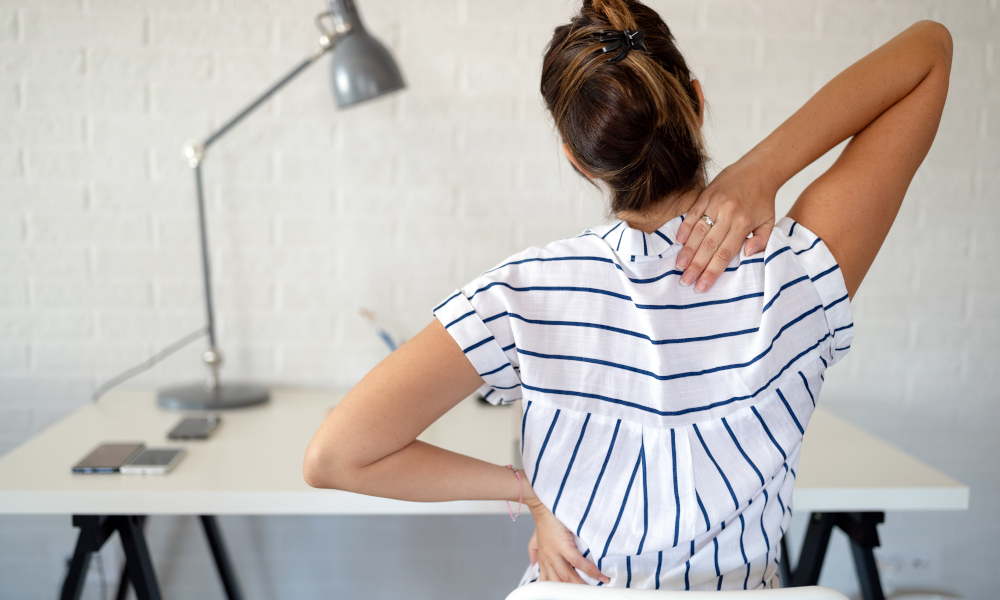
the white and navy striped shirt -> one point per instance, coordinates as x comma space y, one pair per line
660, 425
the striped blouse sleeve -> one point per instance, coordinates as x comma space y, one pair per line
822, 268
483, 339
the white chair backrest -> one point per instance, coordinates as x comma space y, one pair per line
548, 590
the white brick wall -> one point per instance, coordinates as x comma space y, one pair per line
391, 205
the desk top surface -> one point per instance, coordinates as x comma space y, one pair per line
253, 464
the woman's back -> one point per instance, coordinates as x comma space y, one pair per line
661, 426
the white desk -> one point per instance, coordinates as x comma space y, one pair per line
846, 469
253, 465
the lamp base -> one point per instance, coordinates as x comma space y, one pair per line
195, 396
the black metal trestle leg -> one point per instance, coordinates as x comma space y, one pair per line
123, 578
138, 564
813, 549
784, 571
864, 561
122, 585
226, 573
861, 528
94, 531
85, 542
138, 570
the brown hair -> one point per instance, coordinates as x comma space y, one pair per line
632, 124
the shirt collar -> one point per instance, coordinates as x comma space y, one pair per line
628, 242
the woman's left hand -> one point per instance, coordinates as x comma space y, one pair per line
740, 201
552, 546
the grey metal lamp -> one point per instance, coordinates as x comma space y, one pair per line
362, 69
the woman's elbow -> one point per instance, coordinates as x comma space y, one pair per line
320, 468
312, 468
939, 35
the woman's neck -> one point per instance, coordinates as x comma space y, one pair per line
663, 211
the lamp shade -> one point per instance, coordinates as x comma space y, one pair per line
362, 67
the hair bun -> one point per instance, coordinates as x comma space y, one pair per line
632, 120
617, 12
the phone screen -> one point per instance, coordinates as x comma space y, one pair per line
107, 458
194, 428
155, 457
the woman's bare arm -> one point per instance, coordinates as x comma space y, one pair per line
896, 94
368, 445
368, 442
890, 103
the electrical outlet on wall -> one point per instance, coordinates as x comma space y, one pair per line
910, 565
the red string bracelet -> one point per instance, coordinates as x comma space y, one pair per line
520, 495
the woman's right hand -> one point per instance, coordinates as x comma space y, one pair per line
552, 546
740, 200
852, 206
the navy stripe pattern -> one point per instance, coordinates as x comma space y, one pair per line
662, 426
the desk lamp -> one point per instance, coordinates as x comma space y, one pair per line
362, 69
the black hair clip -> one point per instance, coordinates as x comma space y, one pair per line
623, 41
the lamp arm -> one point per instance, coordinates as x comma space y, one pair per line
195, 153
195, 150
302, 66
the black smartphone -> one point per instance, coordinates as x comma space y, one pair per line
108, 458
195, 428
